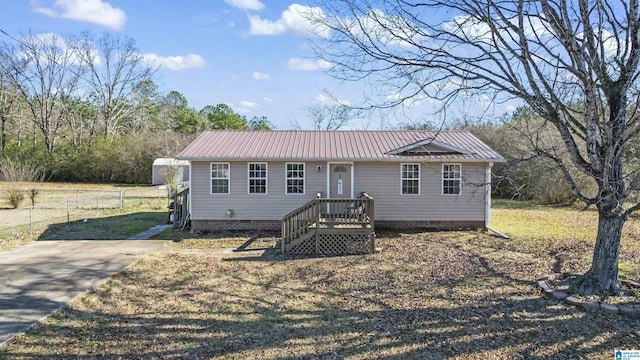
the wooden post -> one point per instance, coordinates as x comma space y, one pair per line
315, 235
283, 236
371, 221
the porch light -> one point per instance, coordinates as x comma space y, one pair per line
230, 213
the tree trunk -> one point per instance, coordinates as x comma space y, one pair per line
602, 277
3, 134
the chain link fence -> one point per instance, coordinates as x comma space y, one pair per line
70, 205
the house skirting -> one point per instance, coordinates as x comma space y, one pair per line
428, 225
275, 225
221, 225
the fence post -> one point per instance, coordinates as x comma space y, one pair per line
68, 219
30, 219
140, 196
98, 205
121, 202
77, 200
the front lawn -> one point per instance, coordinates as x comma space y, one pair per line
424, 295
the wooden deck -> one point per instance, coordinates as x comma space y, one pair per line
180, 209
330, 226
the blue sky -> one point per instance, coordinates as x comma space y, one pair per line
254, 56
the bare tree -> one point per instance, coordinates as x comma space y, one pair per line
116, 67
331, 116
8, 96
44, 70
80, 118
575, 63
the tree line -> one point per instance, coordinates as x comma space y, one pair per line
87, 108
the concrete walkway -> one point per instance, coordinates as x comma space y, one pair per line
149, 233
39, 278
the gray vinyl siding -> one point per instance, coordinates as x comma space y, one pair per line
380, 179
382, 182
272, 206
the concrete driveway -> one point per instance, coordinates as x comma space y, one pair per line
39, 278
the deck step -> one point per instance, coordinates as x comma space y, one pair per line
299, 240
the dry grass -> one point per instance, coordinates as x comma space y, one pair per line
231, 240
16, 240
57, 202
424, 295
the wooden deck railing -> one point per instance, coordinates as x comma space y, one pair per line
299, 222
181, 209
340, 217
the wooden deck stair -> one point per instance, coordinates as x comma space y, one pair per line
330, 226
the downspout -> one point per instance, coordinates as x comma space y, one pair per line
353, 182
487, 196
190, 193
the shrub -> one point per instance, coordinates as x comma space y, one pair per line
16, 172
14, 196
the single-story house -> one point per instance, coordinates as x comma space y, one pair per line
417, 179
165, 168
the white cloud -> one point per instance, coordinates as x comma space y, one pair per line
64, 49
268, 100
469, 27
260, 76
393, 96
412, 101
534, 28
323, 99
248, 104
243, 107
246, 4
384, 28
307, 64
189, 61
94, 11
476, 29
294, 20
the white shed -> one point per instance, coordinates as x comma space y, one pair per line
163, 167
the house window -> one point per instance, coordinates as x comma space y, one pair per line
257, 178
451, 179
295, 178
220, 178
410, 176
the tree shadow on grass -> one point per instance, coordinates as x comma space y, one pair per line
116, 227
255, 326
392, 305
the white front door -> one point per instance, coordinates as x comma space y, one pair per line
340, 181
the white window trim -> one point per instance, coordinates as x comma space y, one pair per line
419, 178
211, 178
304, 178
443, 179
266, 178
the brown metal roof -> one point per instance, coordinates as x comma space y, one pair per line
349, 145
